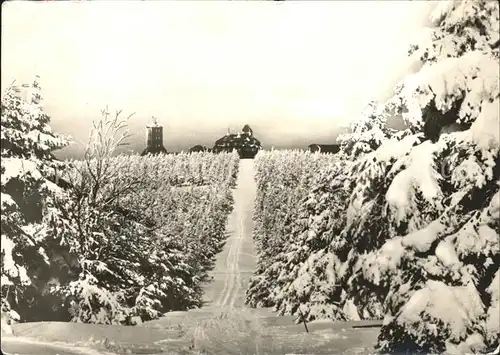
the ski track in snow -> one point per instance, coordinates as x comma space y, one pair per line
244, 196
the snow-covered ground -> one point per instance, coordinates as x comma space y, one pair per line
25, 346
224, 325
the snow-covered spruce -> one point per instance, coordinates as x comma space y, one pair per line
421, 220
453, 248
27, 192
367, 132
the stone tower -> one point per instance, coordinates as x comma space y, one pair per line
154, 139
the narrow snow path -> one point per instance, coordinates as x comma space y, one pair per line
236, 262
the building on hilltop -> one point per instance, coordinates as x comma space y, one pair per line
324, 148
243, 142
154, 139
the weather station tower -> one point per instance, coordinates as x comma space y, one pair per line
154, 138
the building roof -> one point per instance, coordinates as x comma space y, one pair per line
236, 139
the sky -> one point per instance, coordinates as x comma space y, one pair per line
294, 71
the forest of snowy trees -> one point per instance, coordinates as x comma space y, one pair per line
105, 239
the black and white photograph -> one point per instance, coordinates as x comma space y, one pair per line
250, 177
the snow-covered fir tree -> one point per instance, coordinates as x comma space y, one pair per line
28, 173
367, 132
421, 224
442, 228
